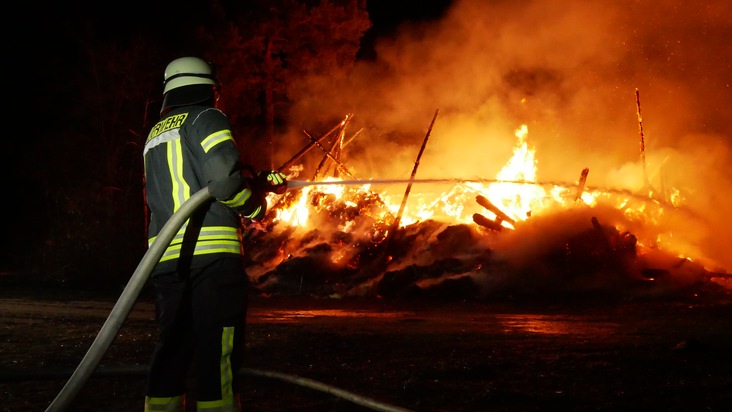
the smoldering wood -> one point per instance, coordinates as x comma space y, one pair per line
487, 223
642, 138
314, 142
302, 151
414, 173
582, 182
382, 263
500, 215
339, 165
601, 234
323, 161
355, 135
335, 151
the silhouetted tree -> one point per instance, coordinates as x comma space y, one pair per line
96, 230
270, 46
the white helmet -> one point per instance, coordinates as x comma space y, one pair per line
186, 71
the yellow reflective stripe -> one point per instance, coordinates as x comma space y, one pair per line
223, 405
227, 377
180, 189
215, 138
214, 237
239, 199
211, 239
254, 213
174, 404
204, 248
208, 232
173, 252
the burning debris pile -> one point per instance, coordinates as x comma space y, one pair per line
349, 252
599, 219
493, 239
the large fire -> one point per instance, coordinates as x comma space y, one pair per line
337, 238
514, 189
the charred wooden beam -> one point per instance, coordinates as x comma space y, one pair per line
347, 142
581, 184
330, 156
642, 137
488, 223
314, 142
302, 151
500, 215
395, 224
335, 152
601, 234
393, 228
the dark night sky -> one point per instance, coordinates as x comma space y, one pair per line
45, 53
45, 46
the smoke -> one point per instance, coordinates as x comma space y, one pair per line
569, 71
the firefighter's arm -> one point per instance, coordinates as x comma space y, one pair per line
267, 181
229, 187
248, 203
222, 175
226, 178
251, 202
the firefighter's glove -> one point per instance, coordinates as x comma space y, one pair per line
272, 181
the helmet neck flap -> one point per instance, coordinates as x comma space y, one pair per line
200, 94
188, 81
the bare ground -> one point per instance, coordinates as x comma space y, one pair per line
662, 355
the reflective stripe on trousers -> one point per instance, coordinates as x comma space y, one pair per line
172, 404
224, 405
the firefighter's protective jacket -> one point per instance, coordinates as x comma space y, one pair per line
190, 148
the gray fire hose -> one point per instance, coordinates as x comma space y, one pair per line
124, 304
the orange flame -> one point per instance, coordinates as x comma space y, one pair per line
515, 191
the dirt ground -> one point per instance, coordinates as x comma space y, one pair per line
306, 354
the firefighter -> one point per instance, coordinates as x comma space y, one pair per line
200, 282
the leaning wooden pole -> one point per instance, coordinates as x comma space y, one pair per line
581, 183
329, 155
381, 263
398, 218
333, 153
642, 138
313, 142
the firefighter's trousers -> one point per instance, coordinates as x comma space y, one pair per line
201, 315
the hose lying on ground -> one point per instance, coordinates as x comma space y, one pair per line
141, 371
312, 384
124, 304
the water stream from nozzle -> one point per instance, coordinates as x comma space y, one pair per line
646, 197
293, 184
